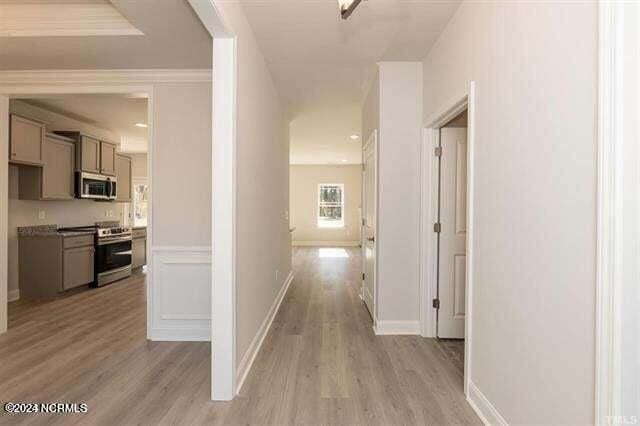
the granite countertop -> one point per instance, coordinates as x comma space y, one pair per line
48, 231
74, 233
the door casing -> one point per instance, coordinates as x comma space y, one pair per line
372, 139
429, 216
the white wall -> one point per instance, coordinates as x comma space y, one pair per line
181, 164
534, 64
263, 242
181, 211
304, 181
62, 213
630, 309
138, 165
394, 106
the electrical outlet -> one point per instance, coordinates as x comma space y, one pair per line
41, 214
286, 214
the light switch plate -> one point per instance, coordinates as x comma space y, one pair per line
42, 214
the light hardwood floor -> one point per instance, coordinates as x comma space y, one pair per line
319, 364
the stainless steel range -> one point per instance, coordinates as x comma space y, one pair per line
113, 252
113, 255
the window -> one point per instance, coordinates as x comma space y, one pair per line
140, 196
331, 206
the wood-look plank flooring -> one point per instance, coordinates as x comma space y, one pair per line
319, 364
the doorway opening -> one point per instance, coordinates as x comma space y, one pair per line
447, 235
73, 160
451, 236
369, 224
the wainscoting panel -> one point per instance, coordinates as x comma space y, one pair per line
181, 293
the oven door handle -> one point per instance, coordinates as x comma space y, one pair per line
123, 253
105, 241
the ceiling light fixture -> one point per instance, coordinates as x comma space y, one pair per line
344, 161
141, 125
347, 7
354, 137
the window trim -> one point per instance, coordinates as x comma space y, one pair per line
341, 224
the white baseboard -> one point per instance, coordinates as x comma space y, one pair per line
483, 408
326, 243
178, 335
13, 295
396, 327
256, 343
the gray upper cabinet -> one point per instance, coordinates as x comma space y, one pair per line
107, 158
54, 180
57, 173
123, 177
92, 154
88, 156
27, 137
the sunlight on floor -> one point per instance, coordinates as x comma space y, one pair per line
333, 252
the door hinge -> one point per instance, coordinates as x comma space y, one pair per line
436, 303
437, 227
363, 276
438, 151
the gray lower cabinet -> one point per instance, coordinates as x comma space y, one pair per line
53, 263
139, 248
77, 267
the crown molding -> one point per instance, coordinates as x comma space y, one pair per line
97, 77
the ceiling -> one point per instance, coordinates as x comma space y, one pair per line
173, 38
322, 64
322, 135
117, 113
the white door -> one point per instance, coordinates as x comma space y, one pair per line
369, 224
453, 233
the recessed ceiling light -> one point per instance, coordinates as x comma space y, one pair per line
344, 161
141, 125
354, 137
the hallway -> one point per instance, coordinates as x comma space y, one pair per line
322, 364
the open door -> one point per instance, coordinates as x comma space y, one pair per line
369, 223
452, 233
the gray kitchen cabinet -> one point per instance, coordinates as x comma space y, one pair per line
88, 157
107, 158
54, 180
123, 176
139, 248
92, 154
25, 141
77, 266
51, 263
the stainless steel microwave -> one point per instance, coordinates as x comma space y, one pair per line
98, 187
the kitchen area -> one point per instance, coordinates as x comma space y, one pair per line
78, 194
